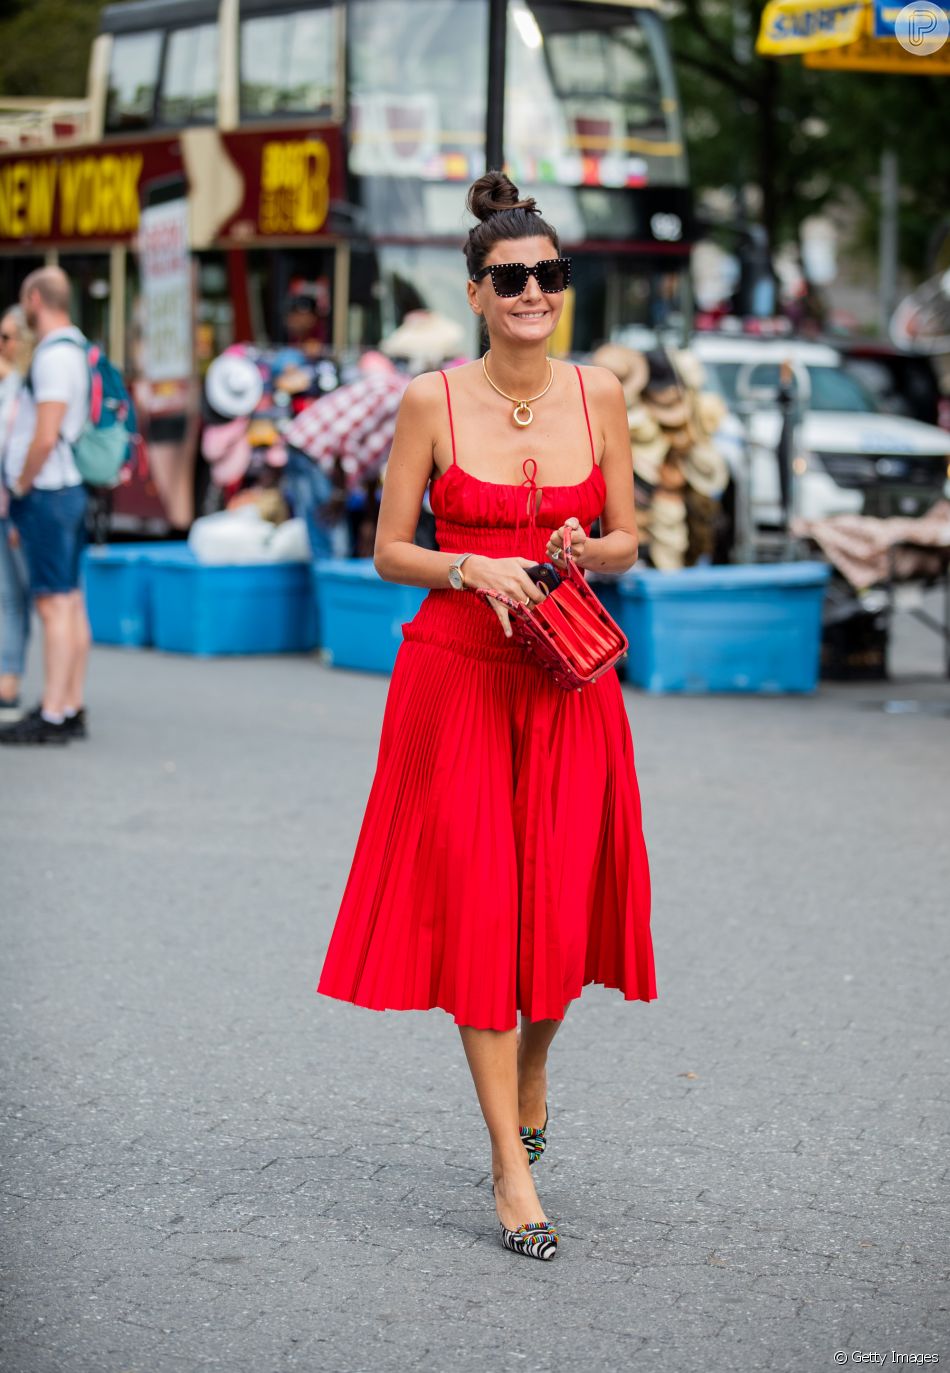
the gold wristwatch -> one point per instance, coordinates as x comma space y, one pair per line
456, 580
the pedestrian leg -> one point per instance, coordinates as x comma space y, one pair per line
534, 1042
59, 650
82, 641
15, 609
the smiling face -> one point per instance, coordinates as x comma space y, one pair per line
530, 317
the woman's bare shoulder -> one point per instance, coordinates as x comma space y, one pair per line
422, 389
426, 392
600, 383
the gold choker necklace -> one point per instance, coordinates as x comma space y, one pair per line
522, 414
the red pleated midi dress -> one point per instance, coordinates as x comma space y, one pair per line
481, 882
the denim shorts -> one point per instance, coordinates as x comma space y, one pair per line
52, 528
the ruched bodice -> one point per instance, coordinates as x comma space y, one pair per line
497, 520
494, 519
498, 515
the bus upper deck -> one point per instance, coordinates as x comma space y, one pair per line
326, 146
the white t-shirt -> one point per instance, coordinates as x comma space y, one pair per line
58, 372
9, 386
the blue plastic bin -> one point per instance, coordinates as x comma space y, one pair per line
117, 583
707, 629
210, 611
361, 616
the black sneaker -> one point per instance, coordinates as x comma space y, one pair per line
10, 710
75, 725
33, 729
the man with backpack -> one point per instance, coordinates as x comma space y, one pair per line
48, 504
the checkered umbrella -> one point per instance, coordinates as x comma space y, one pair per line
354, 424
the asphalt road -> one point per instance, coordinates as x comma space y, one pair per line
207, 1166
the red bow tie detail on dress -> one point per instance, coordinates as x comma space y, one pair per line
535, 495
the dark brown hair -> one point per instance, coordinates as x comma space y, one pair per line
493, 199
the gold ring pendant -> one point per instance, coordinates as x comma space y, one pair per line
522, 413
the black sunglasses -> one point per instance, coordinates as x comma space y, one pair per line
553, 275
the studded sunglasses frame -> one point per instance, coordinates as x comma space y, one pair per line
564, 263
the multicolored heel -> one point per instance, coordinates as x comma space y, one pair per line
536, 1240
533, 1139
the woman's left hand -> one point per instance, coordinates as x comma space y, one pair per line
555, 548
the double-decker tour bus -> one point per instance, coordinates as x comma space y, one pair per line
233, 153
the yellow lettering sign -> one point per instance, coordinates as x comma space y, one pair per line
73, 197
42, 190
130, 170
295, 187
18, 199
26, 190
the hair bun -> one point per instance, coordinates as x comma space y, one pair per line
495, 192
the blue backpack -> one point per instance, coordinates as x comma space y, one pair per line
109, 439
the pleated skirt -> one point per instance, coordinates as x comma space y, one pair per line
500, 866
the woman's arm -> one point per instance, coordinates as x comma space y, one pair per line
395, 557
616, 548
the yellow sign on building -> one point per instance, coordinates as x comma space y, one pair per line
295, 186
790, 27
855, 37
91, 196
869, 54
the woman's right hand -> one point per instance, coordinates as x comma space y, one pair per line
507, 575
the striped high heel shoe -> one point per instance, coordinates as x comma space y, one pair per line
536, 1240
534, 1139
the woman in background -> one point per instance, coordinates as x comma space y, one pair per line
15, 350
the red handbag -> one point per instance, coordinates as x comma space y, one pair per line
569, 633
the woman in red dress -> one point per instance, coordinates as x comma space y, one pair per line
501, 866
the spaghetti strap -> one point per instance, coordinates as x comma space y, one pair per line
448, 401
593, 455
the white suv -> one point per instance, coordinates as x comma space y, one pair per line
850, 457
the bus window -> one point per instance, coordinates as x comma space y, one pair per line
133, 80
590, 98
290, 296
89, 292
189, 93
214, 312
289, 63
418, 78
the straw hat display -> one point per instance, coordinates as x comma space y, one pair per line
705, 469
628, 366
669, 537
710, 411
678, 471
669, 406
648, 445
680, 437
689, 369
424, 337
